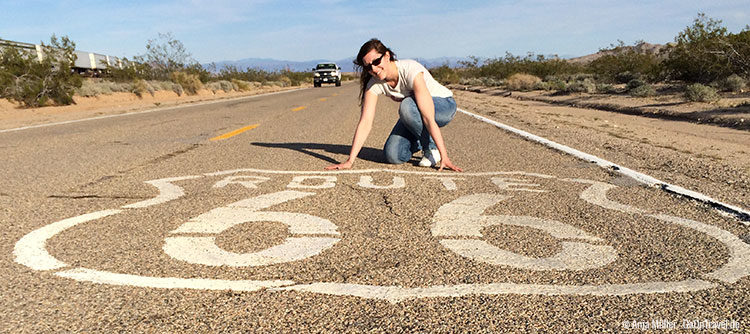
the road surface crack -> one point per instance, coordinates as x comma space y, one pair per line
89, 196
389, 205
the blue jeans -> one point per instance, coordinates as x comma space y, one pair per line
410, 135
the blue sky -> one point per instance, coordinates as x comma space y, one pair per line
335, 29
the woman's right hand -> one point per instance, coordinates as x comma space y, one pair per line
345, 165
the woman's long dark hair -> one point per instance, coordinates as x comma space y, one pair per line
359, 63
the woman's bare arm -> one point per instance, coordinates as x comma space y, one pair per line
363, 130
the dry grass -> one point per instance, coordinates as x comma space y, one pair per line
522, 82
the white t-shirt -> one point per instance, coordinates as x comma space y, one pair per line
407, 71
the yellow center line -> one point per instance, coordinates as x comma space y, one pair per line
322, 99
235, 132
299, 108
335, 94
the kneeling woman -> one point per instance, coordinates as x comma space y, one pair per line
425, 107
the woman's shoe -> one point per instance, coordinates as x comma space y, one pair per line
431, 158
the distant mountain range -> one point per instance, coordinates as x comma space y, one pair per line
347, 65
302, 66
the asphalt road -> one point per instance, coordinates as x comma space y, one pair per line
220, 218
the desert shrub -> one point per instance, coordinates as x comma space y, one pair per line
91, 88
606, 88
492, 82
635, 83
285, 81
141, 87
734, 83
624, 63
625, 77
295, 78
501, 68
222, 85
555, 83
190, 82
242, 85
226, 86
33, 82
213, 86
581, 77
445, 74
705, 52
96, 87
582, 86
701, 93
177, 88
161, 85
542, 85
470, 81
645, 90
522, 81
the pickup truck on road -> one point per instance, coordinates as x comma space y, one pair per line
326, 73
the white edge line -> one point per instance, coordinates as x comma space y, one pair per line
740, 213
149, 110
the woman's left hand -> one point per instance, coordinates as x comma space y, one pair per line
446, 163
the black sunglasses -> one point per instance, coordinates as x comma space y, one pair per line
375, 62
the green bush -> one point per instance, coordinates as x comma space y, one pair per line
583, 86
701, 93
705, 52
537, 65
625, 63
734, 83
445, 74
189, 82
645, 90
606, 88
625, 77
635, 83
33, 82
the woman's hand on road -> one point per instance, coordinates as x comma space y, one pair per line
344, 165
446, 163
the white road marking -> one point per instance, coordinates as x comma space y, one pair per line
741, 213
448, 182
249, 182
395, 294
737, 266
463, 218
298, 182
167, 192
597, 194
105, 277
510, 184
365, 181
31, 250
203, 250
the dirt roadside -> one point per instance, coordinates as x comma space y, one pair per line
706, 158
13, 116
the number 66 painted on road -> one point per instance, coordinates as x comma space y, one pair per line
459, 218
203, 250
457, 224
